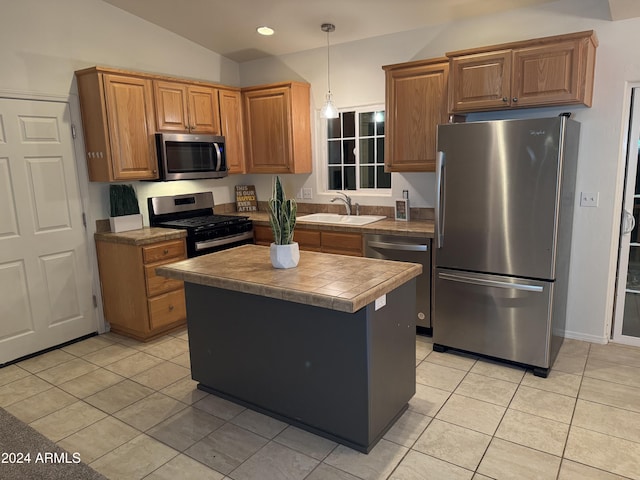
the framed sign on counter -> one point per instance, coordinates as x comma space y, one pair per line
402, 209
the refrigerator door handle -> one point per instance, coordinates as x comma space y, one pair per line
490, 283
439, 213
629, 222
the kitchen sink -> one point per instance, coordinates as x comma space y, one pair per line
338, 219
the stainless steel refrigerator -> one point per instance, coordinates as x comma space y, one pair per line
504, 214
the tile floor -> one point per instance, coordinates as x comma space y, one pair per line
133, 412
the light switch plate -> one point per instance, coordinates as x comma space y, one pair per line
307, 193
589, 199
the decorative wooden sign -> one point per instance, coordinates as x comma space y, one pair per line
246, 199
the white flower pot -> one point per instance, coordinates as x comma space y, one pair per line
285, 256
125, 223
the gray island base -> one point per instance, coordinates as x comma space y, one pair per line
328, 346
344, 376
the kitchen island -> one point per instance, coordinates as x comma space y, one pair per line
328, 346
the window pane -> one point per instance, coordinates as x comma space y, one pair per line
333, 127
379, 123
380, 152
349, 124
367, 154
367, 124
367, 177
349, 151
334, 152
335, 178
349, 178
384, 178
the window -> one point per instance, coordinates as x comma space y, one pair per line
355, 151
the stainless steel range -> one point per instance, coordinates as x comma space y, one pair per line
206, 232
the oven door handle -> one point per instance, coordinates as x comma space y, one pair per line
216, 242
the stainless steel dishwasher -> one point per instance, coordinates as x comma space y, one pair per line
407, 249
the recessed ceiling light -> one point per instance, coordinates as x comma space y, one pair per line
264, 30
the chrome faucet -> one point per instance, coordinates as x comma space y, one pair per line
346, 200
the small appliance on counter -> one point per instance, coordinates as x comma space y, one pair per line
206, 232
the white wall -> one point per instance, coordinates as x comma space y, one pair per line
358, 79
45, 41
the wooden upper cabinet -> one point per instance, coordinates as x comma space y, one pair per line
277, 128
119, 124
181, 107
547, 71
416, 102
232, 128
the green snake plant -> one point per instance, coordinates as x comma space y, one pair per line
123, 200
282, 214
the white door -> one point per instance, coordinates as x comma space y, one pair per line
626, 325
45, 281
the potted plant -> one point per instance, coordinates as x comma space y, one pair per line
284, 251
125, 212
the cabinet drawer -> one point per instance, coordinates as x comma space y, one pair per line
307, 239
342, 243
161, 251
157, 284
167, 309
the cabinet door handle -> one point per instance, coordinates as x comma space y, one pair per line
165, 251
514, 99
171, 307
505, 99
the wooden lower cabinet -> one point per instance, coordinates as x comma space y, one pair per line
343, 243
137, 302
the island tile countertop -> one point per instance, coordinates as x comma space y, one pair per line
142, 236
336, 282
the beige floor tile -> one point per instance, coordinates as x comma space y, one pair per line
534, 432
479, 476
498, 370
67, 421
487, 389
377, 464
275, 462
42, 404
162, 375
428, 400
470, 413
135, 459
570, 364
184, 390
605, 452
327, 472
576, 471
609, 393
22, 389
90, 383
185, 428
439, 376
46, 360
574, 347
110, 354
418, 466
66, 371
90, 345
508, 461
98, 439
259, 423
149, 411
556, 382
423, 347
122, 340
169, 349
612, 372
118, 396
183, 360
453, 444
11, 373
219, 407
553, 406
608, 420
133, 364
615, 353
305, 442
453, 359
406, 430
183, 467
226, 448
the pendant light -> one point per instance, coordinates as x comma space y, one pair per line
329, 110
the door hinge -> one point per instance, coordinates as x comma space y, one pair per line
95, 302
73, 131
84, 220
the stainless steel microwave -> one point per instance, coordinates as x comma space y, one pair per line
184, 156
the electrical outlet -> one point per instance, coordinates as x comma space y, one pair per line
307, 193
589, 199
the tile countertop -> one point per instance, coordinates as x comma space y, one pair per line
336, 282
388, 226
142, 236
